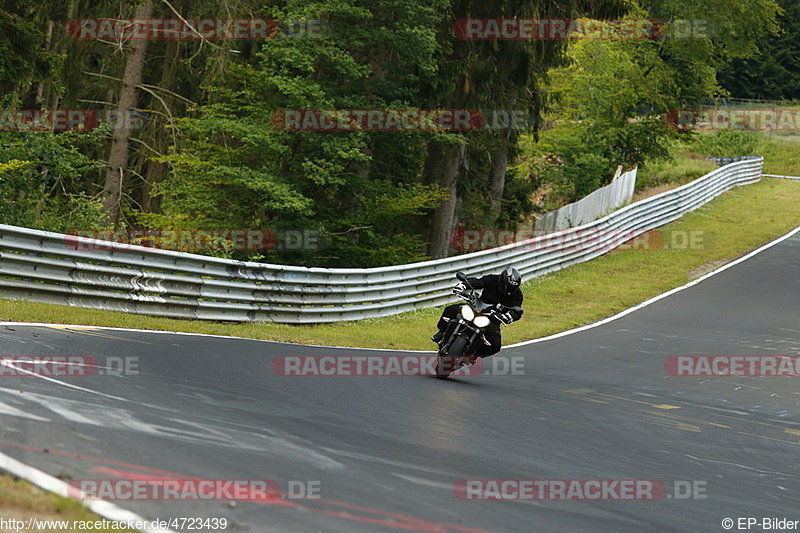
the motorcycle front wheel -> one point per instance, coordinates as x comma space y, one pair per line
446, 364
457, 347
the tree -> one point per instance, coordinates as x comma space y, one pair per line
128, 95
615, 94
209, 150
774, 73
236, 165
23, 61
494, 74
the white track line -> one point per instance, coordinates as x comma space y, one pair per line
47, 482
660, 296
542, 339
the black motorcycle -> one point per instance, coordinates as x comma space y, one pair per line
461, 339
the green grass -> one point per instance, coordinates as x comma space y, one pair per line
21, 500
682, 169
687, 161
782, 155
736, 222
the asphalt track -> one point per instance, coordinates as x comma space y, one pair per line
387, 451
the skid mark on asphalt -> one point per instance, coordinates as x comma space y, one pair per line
334, 508
9, 410
59, 382
586, 395
768, 438
698, 420
218, 432
95, 332
737, 465
667, 417
25, 341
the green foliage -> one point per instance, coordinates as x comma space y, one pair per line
237, 168
613, 96
774, 73
22, 60
517, 204
564, 161
714, 34
728, 143
41, 177
211, 153
682, 165
688, 155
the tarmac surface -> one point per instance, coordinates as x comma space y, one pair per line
385, 453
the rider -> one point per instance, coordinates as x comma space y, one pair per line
499, 289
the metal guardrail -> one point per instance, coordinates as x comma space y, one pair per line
591, 207
793, 178
722, 161
64, 269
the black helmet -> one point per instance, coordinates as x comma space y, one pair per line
509, 280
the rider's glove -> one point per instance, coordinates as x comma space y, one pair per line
506, 318
461, 287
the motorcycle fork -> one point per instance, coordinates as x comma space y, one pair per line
473, 332
450, 331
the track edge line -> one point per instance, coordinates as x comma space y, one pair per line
49, 483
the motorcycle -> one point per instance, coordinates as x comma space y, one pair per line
464, 333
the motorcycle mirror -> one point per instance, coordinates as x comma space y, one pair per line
461, 276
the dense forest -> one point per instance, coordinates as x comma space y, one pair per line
178, 129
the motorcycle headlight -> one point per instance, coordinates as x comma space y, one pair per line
467, 313
481, 321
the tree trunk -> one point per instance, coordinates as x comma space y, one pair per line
118, 157
443, 163
43, 88
155, 171
497, 177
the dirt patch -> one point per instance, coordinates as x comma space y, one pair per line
704, 269
652, 191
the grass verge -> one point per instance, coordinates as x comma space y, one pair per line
731, 225
781, 152
781, 155
19, 500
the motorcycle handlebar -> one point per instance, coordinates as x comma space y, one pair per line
492, 312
